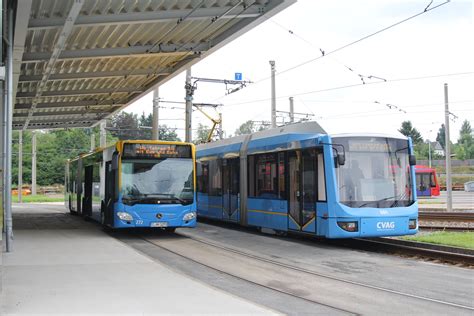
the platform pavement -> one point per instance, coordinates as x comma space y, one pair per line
63, 265
462, 201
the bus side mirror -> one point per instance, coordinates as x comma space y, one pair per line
115, 160
341, 159
412, 160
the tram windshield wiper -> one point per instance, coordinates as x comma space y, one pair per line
396, 197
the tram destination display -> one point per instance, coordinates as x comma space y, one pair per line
160, 151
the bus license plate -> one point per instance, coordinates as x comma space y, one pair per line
159, 224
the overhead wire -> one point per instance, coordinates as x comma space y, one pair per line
325, 54
355, 85
427, 9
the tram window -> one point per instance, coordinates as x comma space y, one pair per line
267, 176
321, 178
215, 180
281, 176
203, 176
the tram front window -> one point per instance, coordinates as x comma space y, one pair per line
151, 181
376, 172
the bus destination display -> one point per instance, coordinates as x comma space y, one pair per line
156, 151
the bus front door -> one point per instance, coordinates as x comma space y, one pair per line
230, 189
302, 190
107, 213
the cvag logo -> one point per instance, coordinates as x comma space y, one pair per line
385, 225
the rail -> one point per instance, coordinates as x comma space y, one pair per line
458, 217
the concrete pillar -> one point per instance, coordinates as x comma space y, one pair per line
103, 135
449, 187
272, 64
20, 166
221, 130
92, 139
155, 132
189, 107
33, 164
292, 111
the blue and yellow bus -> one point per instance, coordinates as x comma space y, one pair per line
297, 178
135, 183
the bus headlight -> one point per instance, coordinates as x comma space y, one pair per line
125, 216
189, 216
412, 224
348, 226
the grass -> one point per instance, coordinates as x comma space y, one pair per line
421, 201
38, 198
457, 180
456, 239
455, 169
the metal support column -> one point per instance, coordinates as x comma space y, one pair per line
33, 164
292, 111
272, 64
8, 134
189, 107
449, 202
103, 135
3, 126
20, 166
155, 132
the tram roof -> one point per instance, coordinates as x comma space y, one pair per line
270, 139
77, 62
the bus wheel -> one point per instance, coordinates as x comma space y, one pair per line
170, 229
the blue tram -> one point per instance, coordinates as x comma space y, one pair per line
134, 183
298, 178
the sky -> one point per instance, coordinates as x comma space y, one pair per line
428, 47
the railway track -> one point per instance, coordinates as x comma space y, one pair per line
456, 221
439, 253
313, 279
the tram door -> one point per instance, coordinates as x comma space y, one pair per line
302, 189
230, 189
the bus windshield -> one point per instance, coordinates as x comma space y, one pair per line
376, 172
167, 180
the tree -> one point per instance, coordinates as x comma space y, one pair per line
202, 134
246, 128
441, 136
125, 126
168, 133
408, 130
465, 146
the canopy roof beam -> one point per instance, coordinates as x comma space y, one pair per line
57, 49
84, 103
98, 74
132, 51
144, 17
68, 93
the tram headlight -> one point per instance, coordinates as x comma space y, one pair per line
412, 224
189, 216
348, 226
125, 216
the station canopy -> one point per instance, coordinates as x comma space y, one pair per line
76, 62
